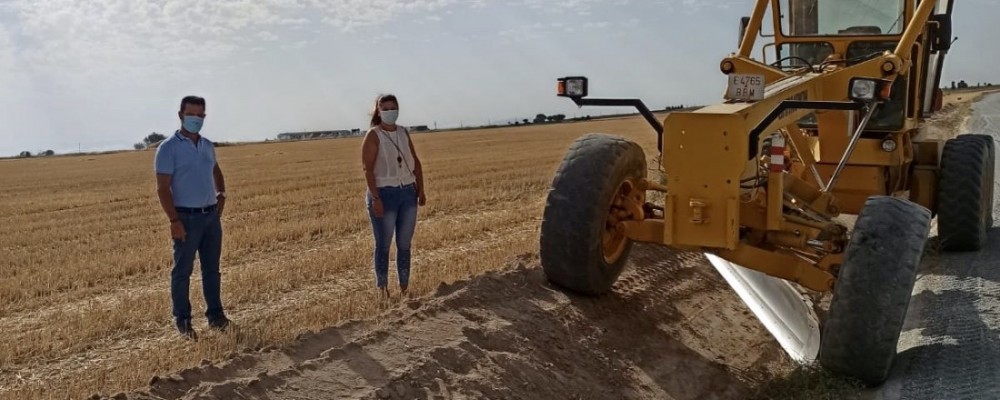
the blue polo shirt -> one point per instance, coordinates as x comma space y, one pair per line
191, 166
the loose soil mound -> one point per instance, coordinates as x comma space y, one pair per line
671, 329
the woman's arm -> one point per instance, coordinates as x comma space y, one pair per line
418, 170
369, 153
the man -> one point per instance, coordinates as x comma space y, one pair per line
192, 192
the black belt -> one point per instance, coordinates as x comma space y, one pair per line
202, 210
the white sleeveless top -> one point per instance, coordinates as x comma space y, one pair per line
389, 170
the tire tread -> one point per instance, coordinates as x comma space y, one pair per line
577, 203
873, 288
966, 172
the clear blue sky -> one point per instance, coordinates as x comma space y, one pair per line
104, 73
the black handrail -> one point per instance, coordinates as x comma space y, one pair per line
796, 105
638, 104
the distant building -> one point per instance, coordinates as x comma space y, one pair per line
319, 134
341, 133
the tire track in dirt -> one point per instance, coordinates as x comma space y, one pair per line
950, 345
670, 329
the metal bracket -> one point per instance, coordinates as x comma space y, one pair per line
795, 105
638, 104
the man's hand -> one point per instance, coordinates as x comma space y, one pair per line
177, 230
421, 198
377, 207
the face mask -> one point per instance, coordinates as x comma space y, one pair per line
389, 116
193, 124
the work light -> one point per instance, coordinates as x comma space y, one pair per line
866, 89
863, 89
572, 86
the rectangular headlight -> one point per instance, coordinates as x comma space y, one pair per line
863, 89
867, 89
572, 86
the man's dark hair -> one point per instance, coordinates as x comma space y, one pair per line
198, 101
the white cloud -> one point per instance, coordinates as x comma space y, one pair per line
690, 6
7, 51
267, 36
69, 40
296, 45
562, 6
348, 15
116, 38
525, 33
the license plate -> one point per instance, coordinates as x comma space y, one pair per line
745, 87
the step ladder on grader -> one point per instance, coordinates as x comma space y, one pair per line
757, 182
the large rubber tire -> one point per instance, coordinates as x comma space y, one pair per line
873, 289
965, 192
576, 211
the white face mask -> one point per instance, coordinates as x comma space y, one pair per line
389, 116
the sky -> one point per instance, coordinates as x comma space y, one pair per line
103, 74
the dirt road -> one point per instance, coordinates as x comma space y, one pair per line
671, 329
950, 345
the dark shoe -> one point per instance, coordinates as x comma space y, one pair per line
186, 330
219, 324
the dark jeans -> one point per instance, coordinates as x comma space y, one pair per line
204, 236
399, 206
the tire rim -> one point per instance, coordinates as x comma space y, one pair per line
614, 240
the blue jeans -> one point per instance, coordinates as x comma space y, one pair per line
203, 234
399, 206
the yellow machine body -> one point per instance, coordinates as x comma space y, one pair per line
757, 181
705, 154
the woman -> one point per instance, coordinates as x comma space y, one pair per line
395, 188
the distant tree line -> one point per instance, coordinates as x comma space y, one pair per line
542, 118
963, 85
149, 140
27, 154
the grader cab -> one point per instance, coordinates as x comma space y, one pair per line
758, 182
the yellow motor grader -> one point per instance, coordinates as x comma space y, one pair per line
757, 181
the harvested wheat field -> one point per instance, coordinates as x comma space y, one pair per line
85, 307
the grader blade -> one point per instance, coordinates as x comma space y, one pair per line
777, 305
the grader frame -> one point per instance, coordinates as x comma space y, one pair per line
758, 180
